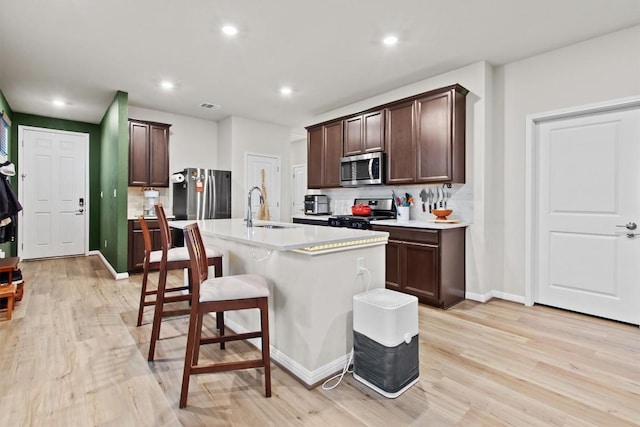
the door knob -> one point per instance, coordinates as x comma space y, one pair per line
629, 226
79, 211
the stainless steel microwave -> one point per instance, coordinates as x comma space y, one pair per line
363, 169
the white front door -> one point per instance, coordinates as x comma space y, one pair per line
53, 193
255, 164
588, 186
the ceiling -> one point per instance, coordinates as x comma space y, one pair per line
328, 51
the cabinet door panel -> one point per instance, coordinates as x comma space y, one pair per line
373, 131
421, 271
136, 246
353, 136
159, 156
138, 153
433, 142
401, 147
314, 157
393, 265
332, 154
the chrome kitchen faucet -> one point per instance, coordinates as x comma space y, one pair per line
249, 213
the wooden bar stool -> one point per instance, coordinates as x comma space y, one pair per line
169, 258
221, 294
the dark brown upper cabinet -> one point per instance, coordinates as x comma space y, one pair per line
148, 154
364, 133
426, 138
440, 137
423, 137
401, 143
324, 149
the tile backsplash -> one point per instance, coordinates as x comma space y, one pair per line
461, 201
136, 201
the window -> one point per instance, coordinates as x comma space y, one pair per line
4, 137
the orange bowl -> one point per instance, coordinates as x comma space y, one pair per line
441, 213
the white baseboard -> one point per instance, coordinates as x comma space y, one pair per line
114, 273
494, 294
303, 374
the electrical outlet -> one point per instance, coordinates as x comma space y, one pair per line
105, 243
360, 265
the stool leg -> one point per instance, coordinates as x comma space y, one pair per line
143, 291
157, 313
10, 302
189, 356
266, 354
196, 345
220, 325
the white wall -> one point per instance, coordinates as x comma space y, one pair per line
239, 136
600, 69
192, 143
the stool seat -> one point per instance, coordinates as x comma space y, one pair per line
180, 254
240, 286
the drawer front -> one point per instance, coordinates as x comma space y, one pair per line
419, 235
151, 223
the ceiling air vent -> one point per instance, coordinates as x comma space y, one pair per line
210, 106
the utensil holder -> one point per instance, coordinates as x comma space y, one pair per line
404, 213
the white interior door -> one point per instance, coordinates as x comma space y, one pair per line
53, 171
255, 164
588, 191
299, 187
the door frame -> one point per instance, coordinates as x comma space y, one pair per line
302, 166
531, 174
87, 208
278, 177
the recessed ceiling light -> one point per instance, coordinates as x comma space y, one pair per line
286, 90
59, 103
230, 30
166, 84
390, 40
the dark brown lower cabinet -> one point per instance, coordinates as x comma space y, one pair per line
426, 263
136, 243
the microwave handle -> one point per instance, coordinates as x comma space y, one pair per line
370, 168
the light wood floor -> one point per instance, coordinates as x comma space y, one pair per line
72, 356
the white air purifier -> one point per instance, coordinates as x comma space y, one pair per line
385, 341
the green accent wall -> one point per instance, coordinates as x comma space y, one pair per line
10, 248
114, 176
93, 130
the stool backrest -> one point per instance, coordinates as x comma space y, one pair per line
165, 232
147, 237
199, 271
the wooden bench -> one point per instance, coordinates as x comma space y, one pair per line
9, 290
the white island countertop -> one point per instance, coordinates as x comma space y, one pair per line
310, 239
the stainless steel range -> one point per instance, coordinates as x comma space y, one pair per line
380, 209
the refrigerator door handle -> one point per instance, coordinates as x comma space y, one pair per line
212, 195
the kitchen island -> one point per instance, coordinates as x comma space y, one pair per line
313, 274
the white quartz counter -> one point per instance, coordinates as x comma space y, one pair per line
420, 224
304, 238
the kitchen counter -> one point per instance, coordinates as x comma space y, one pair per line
311, 297
303, 238
317, 217
420, 224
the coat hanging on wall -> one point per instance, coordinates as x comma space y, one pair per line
9, 204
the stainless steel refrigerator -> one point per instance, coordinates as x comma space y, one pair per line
202, 194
